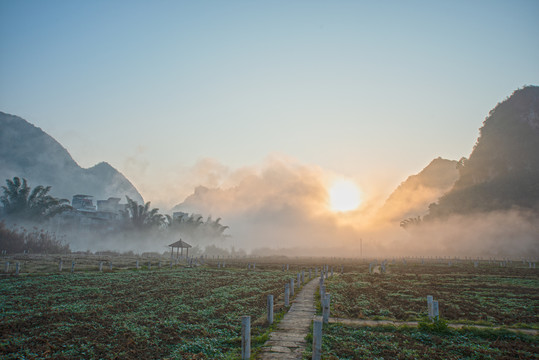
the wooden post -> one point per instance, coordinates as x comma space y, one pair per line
7, 266
332, 271
149, 265
17, 268
245, 337
101, 266
325, 307
322, 293
435, 310
137, 265
73, 266
299, 280
317, 339
60, 264
270, 309
292, 287
110, 265
287, 265
429, 306
286, 294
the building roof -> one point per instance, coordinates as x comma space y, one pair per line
180, 244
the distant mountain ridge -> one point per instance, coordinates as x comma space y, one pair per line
413, 196
27, 151
502, 171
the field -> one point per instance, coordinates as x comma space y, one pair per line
489, 294
342, 342
184, 312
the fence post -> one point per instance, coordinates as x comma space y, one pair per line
435, 310
17, 268
429, 306
270, 309
245, 337
73, 266
101, 266
7, 266
325, 307
286, 295
292, 287
60, 263
317, 339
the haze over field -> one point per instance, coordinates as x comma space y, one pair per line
299, 123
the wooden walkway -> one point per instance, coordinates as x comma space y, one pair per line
288, 340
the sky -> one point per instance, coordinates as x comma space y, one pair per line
165, 90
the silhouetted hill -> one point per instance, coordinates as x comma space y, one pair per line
502, 171
27, 151
413, 196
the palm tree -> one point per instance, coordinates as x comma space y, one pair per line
141, 216
216, 227
21, 201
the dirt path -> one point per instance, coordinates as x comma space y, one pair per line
360, 322
288, 340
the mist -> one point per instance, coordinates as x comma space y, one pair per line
281, 208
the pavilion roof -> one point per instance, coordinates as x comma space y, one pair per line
180, 244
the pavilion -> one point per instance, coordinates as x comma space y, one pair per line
180, 244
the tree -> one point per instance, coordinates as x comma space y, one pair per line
20, 201
193, 226
140, 216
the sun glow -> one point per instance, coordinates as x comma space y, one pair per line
344, 196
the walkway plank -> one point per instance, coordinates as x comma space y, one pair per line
288, 339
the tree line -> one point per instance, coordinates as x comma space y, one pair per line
22, 203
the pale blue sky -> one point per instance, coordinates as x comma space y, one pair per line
363, 88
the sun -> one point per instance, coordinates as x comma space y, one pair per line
344, 196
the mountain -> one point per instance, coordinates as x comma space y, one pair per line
502, 171
27, 151
413, 196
